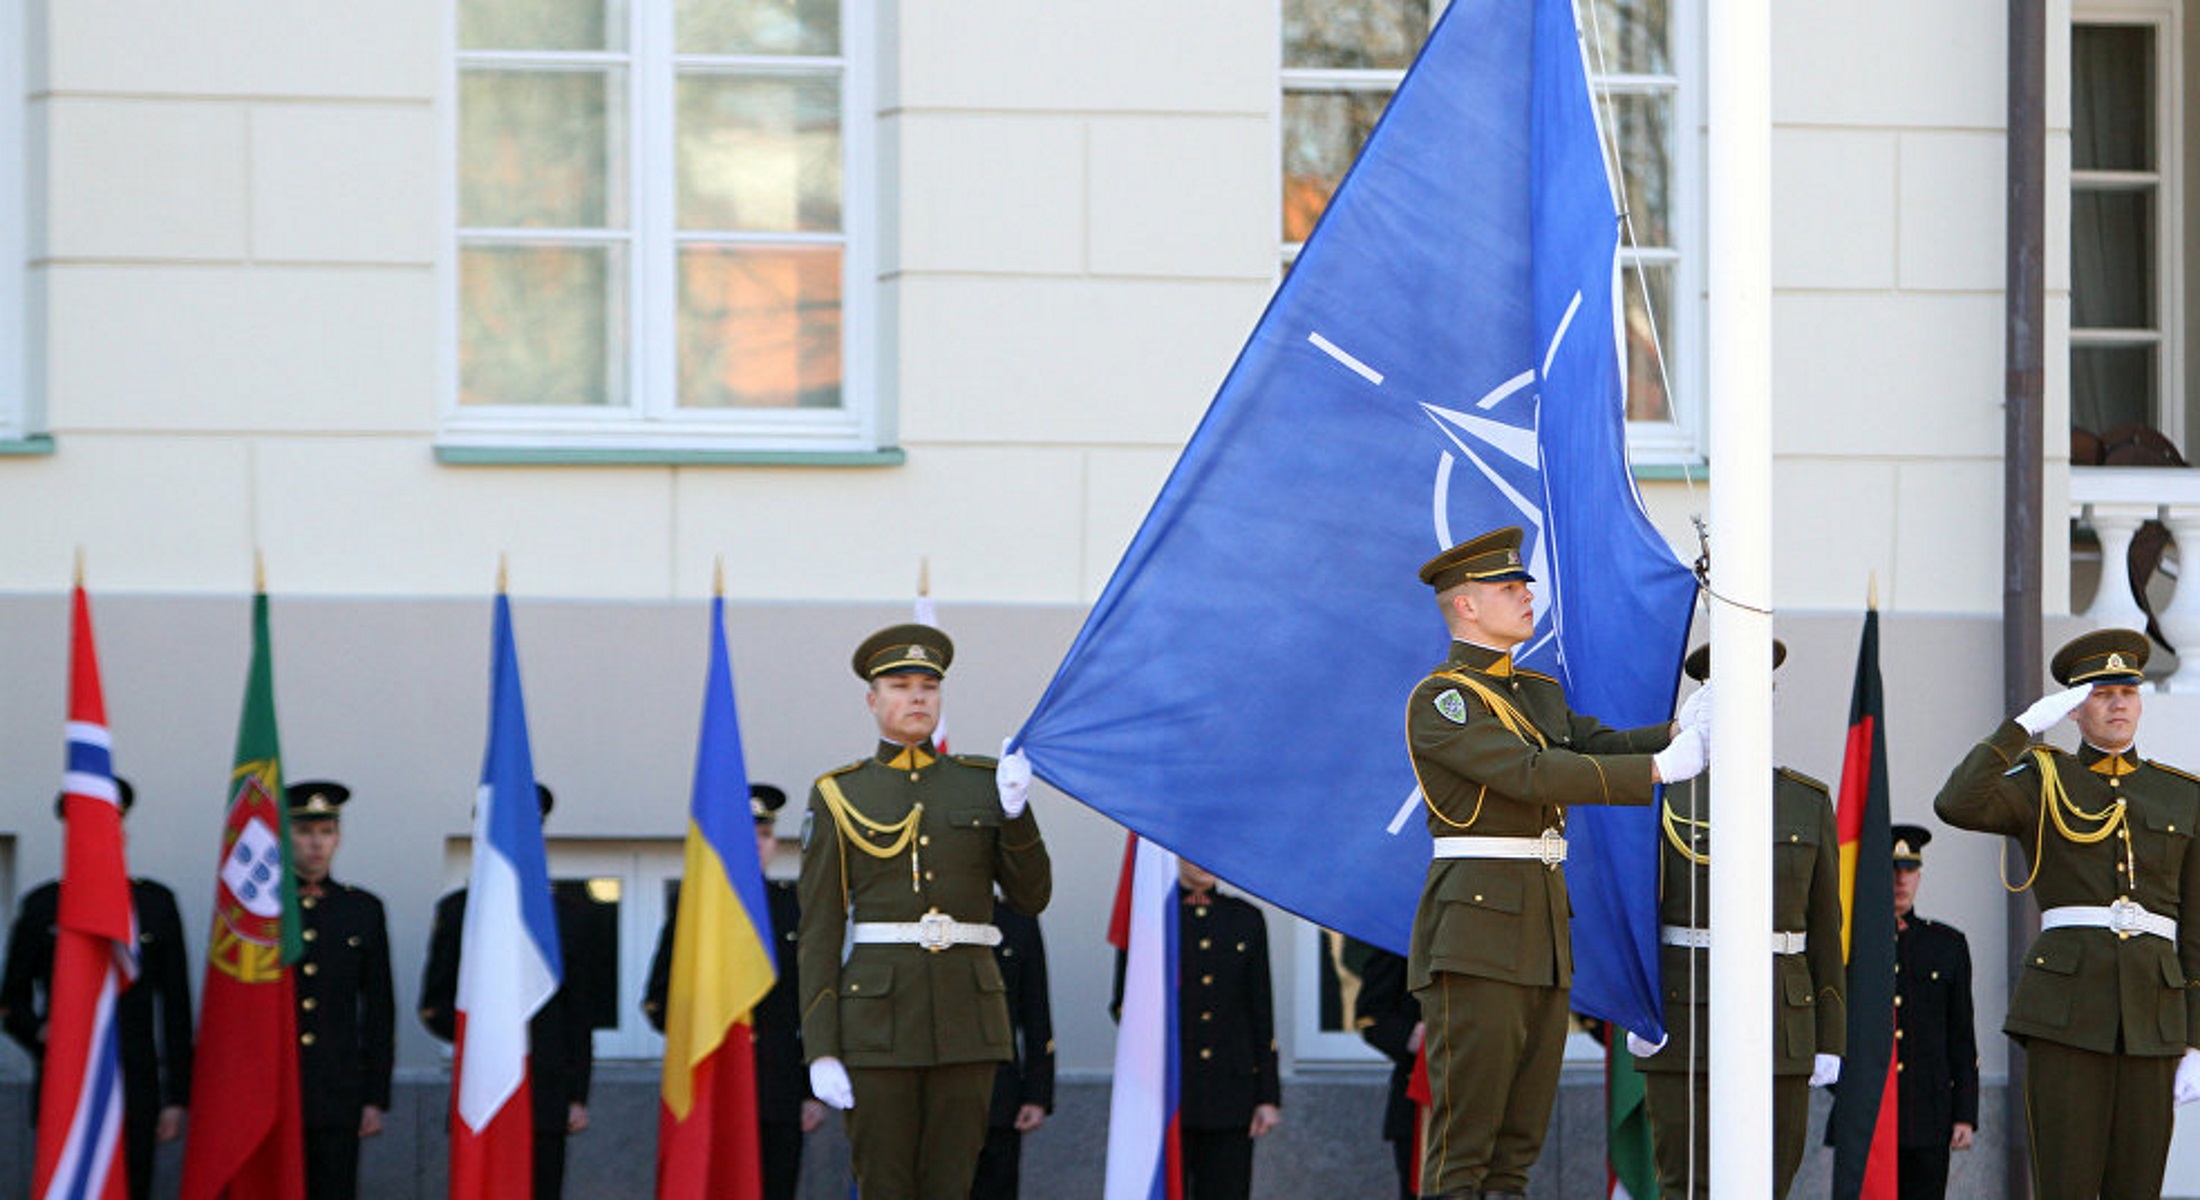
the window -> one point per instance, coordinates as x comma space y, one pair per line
662, 226
17, 419
1342, 61
2125, 352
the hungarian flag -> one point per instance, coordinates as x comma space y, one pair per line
246, 1142
722, 965
79, 1150
508, 959
1863, 1122
1144, 1152
1631, 1167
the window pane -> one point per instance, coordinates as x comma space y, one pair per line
1641, 135
2112, 97
1365, 34
1646, 382
1631, 36
760, 327
2111, 386
1322, 134
542, 325
759, 154
2112, 260
541, 25
536, 149
758, 27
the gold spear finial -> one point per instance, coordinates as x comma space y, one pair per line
718, 578
924, 575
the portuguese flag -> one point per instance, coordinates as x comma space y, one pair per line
246, 1142
1863, 1122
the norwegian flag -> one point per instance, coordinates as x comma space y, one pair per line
79, 1154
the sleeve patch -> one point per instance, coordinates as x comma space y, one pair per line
1452, 705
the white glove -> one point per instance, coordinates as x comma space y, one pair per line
2053, 707
2187, 1088
1012, 778
1696, 710
1825, 1070
1686, 757
829, 1082
1642, 1049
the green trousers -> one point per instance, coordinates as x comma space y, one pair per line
915, 1132
2099, 1123
1680, 1124
1494, 1050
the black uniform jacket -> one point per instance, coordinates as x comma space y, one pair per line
1028, 1078
347, 1012
559, 1048
153, 1016
1938, 1048
782, 1082
1386, 1014
1225, 1013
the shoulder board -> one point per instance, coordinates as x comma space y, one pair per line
1801, 778
842, 770
976, 760
1524, 673
2177, 771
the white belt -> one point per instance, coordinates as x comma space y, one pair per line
1549, 849
2125, 917
935, 932
1783, 941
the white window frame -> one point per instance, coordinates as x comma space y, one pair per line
652, 421
2167, 182
18, 414
1679, 441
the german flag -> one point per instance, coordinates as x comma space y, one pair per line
1863, 1125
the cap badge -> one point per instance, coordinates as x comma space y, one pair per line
1453, 706
916, 654
2116, 662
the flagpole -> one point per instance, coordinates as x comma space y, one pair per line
1741, 613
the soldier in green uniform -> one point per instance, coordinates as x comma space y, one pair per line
1499, 757
2107, 1007
908, 843
1810, 1022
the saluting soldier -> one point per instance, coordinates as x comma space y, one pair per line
785, 1110
152, 1016
2105, 1007
560, 1051
1936, 1050
909, 844
1500, 756
347, 1011
1023, 1087
1228, 1091
1810, 1019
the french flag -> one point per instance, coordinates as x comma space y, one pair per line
1143, 1150
79, 1149
508, 954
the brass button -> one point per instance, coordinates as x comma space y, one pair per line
855, 987
1241, 947
1206, 1016
352, 941
928, 876
1898, 1001
1795, 837
1478, 897
924, 839
305, 1039
308, 902
313, 968
1898, 1035
1898, 1066
912, 776
309, 1004
1206, 981
1200, 911
313, 935
1204, 943
1204, 1052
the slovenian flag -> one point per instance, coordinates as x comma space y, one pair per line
508, 963
722, 965
1143, 1152
79, 1151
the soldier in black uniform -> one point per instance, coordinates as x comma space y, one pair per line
347, 1013
1936, 1049
1023, 1089
784, 1107
153, 1015
1389, 1019
1228, 1091
560, 1052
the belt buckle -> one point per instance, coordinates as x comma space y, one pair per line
1550, 848
932, 930
2124, 915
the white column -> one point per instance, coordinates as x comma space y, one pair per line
1740, 266
2114, 524
2180, 619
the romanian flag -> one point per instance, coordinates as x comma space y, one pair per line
722, 965
1863, 1122
79, 1151
247, 1142
508, 959
1144, 1153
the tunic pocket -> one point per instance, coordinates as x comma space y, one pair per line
1798, 1009
2170, 1010
2046, 988
867, 1006
992, 1000
1479, 932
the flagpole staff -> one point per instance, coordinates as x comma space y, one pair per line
80, 566
1741, 616
924, 575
